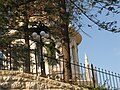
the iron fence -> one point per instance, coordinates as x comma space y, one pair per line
82, 75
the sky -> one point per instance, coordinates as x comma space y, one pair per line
102, 49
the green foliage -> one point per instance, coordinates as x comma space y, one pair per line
13, 11
51, 53
19, 53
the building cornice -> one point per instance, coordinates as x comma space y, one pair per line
77, 36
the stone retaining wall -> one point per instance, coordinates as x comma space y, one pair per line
18, 80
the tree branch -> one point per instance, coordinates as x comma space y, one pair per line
97, 23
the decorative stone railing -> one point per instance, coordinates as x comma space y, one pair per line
18, 80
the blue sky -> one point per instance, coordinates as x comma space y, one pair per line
102, 49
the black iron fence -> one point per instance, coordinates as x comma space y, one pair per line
100, 79
82, 74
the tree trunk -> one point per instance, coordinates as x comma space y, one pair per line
65, 42
27, 61
26, 36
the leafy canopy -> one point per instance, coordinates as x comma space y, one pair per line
92, 9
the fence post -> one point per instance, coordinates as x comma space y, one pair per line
10, 56
93, 76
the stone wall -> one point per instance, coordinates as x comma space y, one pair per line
18, 80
